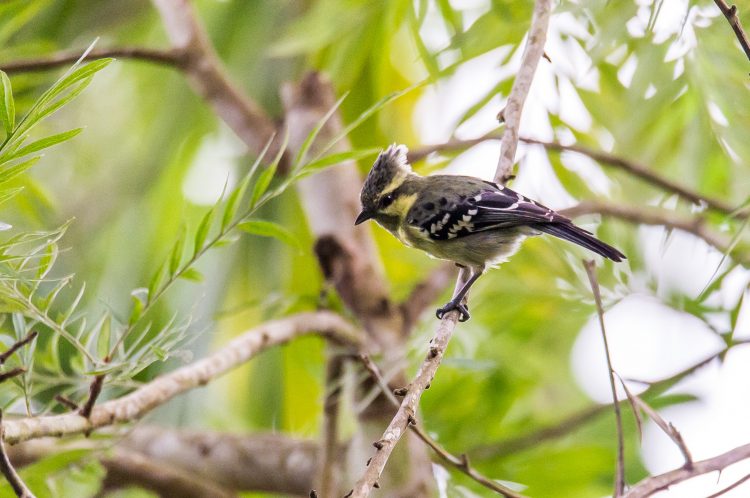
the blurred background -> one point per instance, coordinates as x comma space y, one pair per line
660, 83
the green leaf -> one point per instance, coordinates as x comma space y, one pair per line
7, 194
47, 260
202, 232
336, 158
192, 274
46, 142
156, 281
176, 255
270, 229
366, 115
11, 172
264, 180
7, 105
300, 157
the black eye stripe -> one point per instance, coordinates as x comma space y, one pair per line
386, 201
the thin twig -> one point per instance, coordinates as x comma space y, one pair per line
66, 402
95, 390
19, 487
330, 458
631, 167
651, 485
14, 372
208, 77
514, 445
566, 426
511, 114
695, 225
734, 21
620, 474
646, 174
18, 345
169, 57
461, 463
666, 427
729, 488
408, 407
160, 390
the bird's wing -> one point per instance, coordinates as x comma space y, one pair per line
487, 208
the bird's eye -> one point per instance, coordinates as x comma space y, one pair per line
386, 201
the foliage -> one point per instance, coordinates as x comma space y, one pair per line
120, 265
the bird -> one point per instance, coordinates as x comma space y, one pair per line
475, 223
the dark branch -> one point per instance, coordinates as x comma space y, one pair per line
652, 484
734, 21
19, 487
620, 475
169, 57
461, 462
18, 345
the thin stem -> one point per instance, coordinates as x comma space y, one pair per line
19, 487
734, 21
169, 57
511, 114
620, 474
461, 462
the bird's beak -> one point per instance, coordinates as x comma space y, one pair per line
363, 216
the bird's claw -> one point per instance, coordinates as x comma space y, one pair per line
463, 311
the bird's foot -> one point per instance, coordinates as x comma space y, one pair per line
463, 310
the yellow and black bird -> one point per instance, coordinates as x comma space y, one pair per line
473, 222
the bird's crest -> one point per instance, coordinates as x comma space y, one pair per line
388, 172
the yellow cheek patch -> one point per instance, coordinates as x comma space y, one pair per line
400, 206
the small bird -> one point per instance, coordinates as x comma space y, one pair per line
475, 223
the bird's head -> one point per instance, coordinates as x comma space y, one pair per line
389, 172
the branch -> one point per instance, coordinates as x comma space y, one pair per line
170, 57
731, 14
157, 392
729, 488
330, 458
128, 468
408, 409
652, 484
566, 426
461, 463
18, 345
631, 167
644, 173
271, 463
523, 442
650, 216
203, 69
511, 114
19, 487
620, 474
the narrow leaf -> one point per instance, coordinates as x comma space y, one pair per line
366, 114
300, 157
7, 105
269, 229
11, 172
202, 232
46, 142
176, 255
336, 158
264, 180
192, 274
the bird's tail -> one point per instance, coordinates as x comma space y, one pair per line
583, 238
